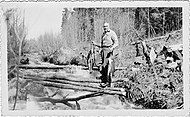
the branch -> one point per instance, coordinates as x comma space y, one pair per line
77, 105
9, 43
54, 94
66, 100
11, 49
16, 33
54, 101
85, 96
12, 69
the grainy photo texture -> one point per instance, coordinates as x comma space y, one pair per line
94, 58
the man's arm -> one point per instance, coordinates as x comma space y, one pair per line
115, 41
94, 43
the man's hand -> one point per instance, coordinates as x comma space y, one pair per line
92, 42
95, 44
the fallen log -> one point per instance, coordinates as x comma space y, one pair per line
43, 67
60, 67
153, 39
166, 37
78, 88
63, 78
65, 82
70, 79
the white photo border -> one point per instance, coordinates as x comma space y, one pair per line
147, 112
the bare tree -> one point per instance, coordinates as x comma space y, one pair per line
16, 36
49, 45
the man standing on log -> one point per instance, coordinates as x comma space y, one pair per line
109, 42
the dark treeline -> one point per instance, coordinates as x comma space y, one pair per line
85, 24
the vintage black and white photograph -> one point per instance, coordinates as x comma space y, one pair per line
63, 57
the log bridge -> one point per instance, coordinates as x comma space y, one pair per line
59, 81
